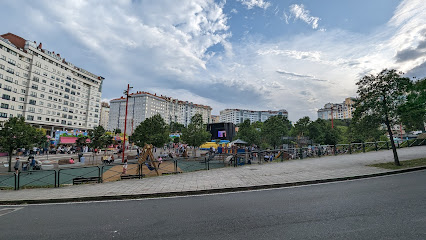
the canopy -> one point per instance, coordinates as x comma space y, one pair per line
238, 141
70, 140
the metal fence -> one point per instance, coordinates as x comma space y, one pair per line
135, 170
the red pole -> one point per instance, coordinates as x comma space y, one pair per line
125, 123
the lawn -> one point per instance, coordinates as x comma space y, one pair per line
404, 164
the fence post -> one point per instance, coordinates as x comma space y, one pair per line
102, 175
55, 178
387, 145
335, 149
350, 148
59, 174
375, 144
19, 174
363, 147
15, 180
301, 153
99, 174
319, 151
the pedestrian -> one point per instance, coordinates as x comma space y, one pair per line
16, 167
124, 167
160, 161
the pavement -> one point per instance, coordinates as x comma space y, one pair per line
255, 176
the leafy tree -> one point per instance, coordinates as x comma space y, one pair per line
117, 131
15, 133
413, 112
320, 132
151, 131
380, 96
365, 130
99, 138
301, 126
176, 140
176, 127
248, 133
195, 134
81, 142
274, 129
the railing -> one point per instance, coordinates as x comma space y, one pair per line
115, 172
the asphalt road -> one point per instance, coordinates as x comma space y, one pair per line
391, 207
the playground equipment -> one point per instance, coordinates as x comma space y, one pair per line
148, 159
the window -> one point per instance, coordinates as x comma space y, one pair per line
4, 105
30, 118
3, 115
32, 102
5, 96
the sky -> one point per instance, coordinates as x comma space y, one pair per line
249, 54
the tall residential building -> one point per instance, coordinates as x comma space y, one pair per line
143, 105
337, 110
215, 119
237, 116
46, 90
104, 119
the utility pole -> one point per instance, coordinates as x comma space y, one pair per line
125, 122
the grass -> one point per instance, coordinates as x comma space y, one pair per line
404, 164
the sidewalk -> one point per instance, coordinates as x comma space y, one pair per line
293, 171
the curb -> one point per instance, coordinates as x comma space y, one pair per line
210, 191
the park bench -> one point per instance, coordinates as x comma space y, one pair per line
131, 176
81, 180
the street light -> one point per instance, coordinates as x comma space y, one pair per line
126, 92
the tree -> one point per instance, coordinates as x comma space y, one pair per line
413, 112
248, 133
321, 132
380, 97
17, 134
176, 127
195, 134
151, 131
99, 138
301, 126
274, 129
117, 131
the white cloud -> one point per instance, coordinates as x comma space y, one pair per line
298, 11
255, 3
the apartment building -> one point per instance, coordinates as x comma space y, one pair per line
237, 116
337, 110
215, 118
46, 90
143, 105
104, 117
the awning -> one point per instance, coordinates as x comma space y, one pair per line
70, 140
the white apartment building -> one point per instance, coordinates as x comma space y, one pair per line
337, 110
46, 90
143, 105
104, 119
237, 116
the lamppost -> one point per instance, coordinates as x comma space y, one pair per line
125, 121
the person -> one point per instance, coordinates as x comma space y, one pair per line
82, 159
16, 167
71, 160
160, 161
125, 167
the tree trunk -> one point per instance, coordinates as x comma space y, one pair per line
395, 154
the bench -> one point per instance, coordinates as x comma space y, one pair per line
131, 176
81, 180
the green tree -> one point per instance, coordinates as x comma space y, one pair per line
117, 131
176, 140
321, 132
15, 134
176, 127
195, 134
413, 112
99, 138
274, 129
380, 96
151, 131
365, 130
301, 126
248, 133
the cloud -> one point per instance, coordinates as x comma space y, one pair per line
298, 11
412, 53
255, 3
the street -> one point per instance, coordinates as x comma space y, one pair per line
391, 207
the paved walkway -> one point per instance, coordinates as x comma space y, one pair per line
245, 176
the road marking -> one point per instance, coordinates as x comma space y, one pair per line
4, 211
211, 194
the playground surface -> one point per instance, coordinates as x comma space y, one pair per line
220, 179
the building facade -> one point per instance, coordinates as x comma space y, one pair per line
237, 116
143, 105
104, 117
46, 90
337, 110
215, 119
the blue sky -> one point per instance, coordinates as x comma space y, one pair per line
252, 54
